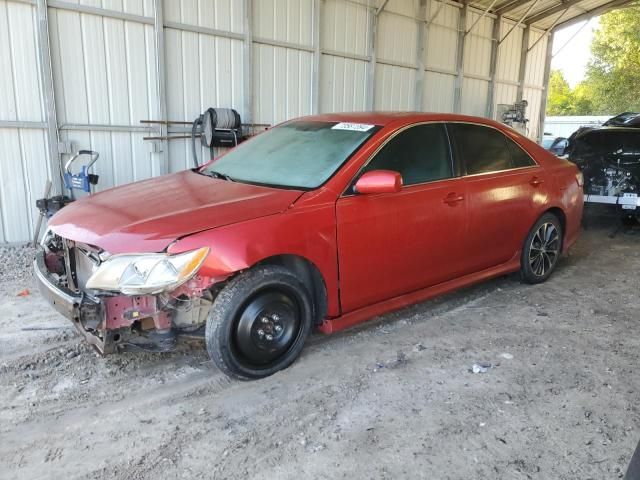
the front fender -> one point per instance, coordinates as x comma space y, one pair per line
305, 231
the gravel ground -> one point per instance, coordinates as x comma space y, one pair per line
395, 398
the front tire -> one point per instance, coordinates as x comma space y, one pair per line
541, 249
259, 322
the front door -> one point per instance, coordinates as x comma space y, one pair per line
395, 243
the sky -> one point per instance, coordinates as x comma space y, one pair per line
572, 59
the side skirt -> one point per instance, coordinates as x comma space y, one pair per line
366, 313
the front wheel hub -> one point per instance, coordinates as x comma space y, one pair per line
267, 326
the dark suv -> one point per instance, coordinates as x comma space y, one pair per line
609, 157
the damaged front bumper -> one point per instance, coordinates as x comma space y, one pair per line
72, 305
113, 323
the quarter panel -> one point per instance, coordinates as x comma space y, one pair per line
503, 207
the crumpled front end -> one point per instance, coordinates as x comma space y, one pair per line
111, 321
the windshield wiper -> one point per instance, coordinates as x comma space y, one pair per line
214, 174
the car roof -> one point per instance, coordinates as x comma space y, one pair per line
608, 128
625, 119
386, 118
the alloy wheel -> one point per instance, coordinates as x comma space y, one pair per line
544, 249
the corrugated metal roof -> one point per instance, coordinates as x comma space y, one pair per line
545, 14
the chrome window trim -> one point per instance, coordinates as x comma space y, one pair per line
535, 164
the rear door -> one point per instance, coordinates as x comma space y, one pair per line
395, 243
504, 185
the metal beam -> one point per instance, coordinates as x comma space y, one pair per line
524, 54
422, 33
280, 43
545, 91
371, 53
315, 74
247, 61
103, 127
588, 15
484, 14
548, 30
493, 63
373, 60
511, 6
462, 28
547, 12
74, 7
161, 79
575, 34
205, 30
46, 78
20, 124
381, 7
531, 7
437, 12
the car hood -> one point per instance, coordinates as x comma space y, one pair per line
147, 216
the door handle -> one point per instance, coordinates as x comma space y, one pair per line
535, 181
453, 199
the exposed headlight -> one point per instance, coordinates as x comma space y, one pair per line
147, 273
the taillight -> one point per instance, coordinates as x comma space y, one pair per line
580, 179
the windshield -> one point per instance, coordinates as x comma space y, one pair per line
547, 142
299, 154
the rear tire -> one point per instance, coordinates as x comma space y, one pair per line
541, 249
259, 322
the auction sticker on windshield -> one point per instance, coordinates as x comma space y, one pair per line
356, 127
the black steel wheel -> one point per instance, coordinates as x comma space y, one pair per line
542, 249
259, 322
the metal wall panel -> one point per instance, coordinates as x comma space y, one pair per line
122, 6
397, 38
282, 83
344, 27
284, 20
402, 7
438, 92
442, 36
477, 51
345, 30
202, 71
474, 96
342, 84
508, 65
505, 93
534, 97
224, 15
24, 162
395, 88
535, 60
104, 74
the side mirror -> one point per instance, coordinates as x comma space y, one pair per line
379, 181
559, 146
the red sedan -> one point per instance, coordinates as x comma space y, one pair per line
323, 221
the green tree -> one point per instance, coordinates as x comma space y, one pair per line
561, 98
614, 70
611, 84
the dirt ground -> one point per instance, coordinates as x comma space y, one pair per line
394, 398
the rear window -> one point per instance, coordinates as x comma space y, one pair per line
484, 149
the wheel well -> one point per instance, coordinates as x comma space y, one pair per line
561, 216
309, 274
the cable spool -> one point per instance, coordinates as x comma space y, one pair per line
218, 119
216, 127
